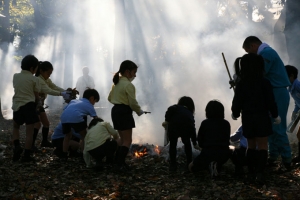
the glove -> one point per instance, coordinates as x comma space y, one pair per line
197, 147
140, 113
165, 124
233, 117
65, 95
277, 120
293, 116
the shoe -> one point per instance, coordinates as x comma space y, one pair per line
27, 159
17, 153
213, 170
296, 160
46, 143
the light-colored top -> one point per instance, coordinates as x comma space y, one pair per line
124, 93
95, 137
58, 132
48, 87
294, 89
83, 83
275, 71
76, 110
24, 84
238, 136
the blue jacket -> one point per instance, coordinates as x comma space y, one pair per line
295, 93
275, 71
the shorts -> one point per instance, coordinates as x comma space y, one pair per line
78, 127
256, 125
122, 118
26, 114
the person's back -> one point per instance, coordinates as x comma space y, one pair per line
214, 132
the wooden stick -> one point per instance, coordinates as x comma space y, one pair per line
227, 69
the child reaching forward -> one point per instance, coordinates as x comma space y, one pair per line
213, 138
24, 107
254, 99
294, 90
122, 95
74, 117
181, 123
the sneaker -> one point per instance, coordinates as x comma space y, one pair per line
17, 153
213, 169
27, 159
46, 144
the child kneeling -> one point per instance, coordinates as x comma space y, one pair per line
213, 138
99, 143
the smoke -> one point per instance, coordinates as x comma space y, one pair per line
176, 44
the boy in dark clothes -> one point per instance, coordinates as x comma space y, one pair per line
213, 138
294, 90
181, 123
254, 98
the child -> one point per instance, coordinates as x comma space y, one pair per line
74, 114
213, 138
44, 72
122, 95
294, 90
24, 107
238, 156
99, 142
58, 140
181, 123
254, 98
84, 82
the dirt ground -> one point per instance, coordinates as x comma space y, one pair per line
49, 178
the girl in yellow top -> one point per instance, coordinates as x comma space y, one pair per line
122, 95
43, 73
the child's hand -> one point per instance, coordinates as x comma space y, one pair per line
197, 147
140, 113
165, 124
233, 117
277, 120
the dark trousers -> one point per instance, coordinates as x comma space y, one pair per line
107, 150
173, 147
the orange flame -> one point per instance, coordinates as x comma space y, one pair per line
139, 154
156, 149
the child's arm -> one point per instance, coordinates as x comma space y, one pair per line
130, 90
237, 135
47, 90
53, 86
200, 135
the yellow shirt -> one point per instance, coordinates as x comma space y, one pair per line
48, 87
124, 93
95, 137
24, 84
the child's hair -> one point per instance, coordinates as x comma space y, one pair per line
187, 102
251, 40
125, 65
28, 62
291, 70
94, 122
237, 66
214, 109
91, 93
251, 68
44, 66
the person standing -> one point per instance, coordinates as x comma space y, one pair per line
84, 82
275, 72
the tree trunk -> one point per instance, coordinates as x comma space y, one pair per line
292, 31
5, 29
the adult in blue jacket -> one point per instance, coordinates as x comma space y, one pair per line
275, 72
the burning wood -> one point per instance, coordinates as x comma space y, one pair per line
139, 151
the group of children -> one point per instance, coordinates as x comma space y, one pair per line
253, 99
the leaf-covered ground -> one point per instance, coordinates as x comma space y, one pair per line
49, 178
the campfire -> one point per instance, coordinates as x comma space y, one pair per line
139, 151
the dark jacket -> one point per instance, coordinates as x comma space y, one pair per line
214, 133
181, 122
